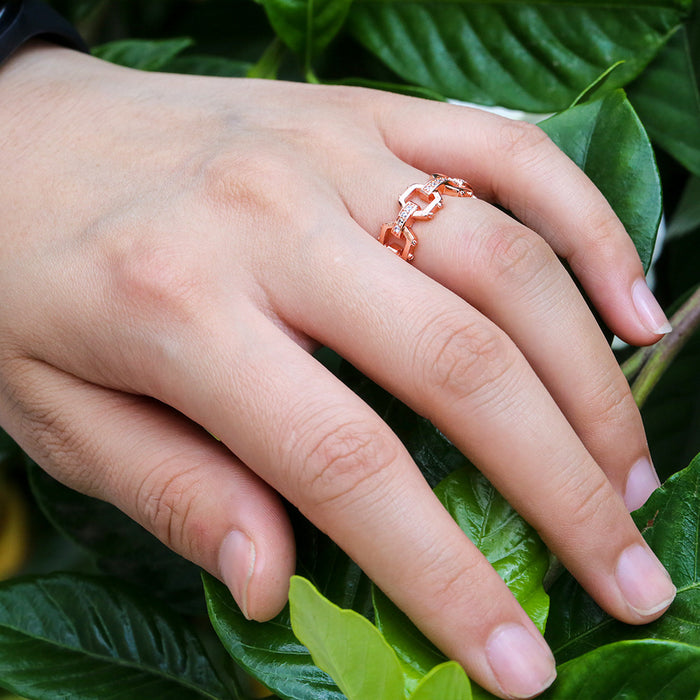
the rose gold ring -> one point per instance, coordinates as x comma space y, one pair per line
398, 236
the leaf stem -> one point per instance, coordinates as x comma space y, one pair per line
649, 364
268, 64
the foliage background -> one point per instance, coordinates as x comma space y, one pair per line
414, 50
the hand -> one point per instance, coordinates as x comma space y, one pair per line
172, 248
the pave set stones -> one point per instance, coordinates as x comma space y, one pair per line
398, 236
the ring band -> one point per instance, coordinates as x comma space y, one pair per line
398, 236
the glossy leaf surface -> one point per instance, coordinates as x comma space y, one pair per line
607, 141
511, 546
667, 98
447, 682
532, 56
269, 650
119, 545
506, 540
74, 636
345, 644
647, 670
670, 523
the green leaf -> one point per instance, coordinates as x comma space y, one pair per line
670, 523
416, 653
607, 141
508, 543
202, 64
667, 99
307, 26
447, 681
671, 414
511, 545
269, 651
345, 644
686, 217
80, 637
525, 55
141, 53
591, 91
119, 546
647, 670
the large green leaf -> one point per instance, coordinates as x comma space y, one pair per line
510, 544
506, 540
119, 546
670, 523
667, 100
607, 141
535, 56
307, 26
269, 651
686, 216
446, 682
416, 653
641, 670
69, 636
141, 53
345, 644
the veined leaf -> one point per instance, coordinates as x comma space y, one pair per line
511, 545
447, 681
533, 56
79, 637
269, 651
647, 670
670, 523
667, 99
345, 644
307, 26
119, 545
607, 141
506, 540
141, 53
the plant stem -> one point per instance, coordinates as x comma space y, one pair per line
269, 63
649, 364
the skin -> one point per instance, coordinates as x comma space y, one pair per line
171, 249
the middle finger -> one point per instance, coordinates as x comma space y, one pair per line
440, 355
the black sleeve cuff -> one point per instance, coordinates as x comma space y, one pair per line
22, 20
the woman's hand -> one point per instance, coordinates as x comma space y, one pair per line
172, 248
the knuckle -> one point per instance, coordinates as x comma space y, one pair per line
68, 455
587, 498
612, 402
161, 281
515, 252
344, 464
164, 502
521, 141
604, 237
461, 357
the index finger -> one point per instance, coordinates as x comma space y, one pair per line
517, 165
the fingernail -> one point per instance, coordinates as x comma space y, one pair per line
650, 313
237, 563
641, 482
522, 664
643, 581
